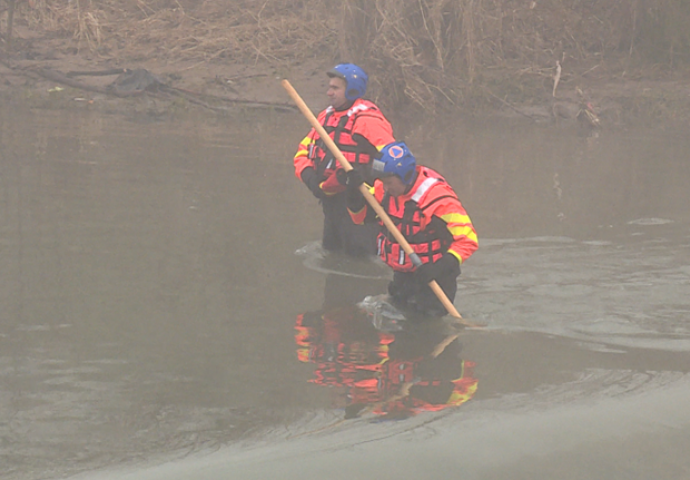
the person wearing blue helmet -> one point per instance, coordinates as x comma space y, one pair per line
355, 80
428, 213
360, 130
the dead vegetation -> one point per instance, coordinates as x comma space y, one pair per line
445, 51
428, 52
182, 29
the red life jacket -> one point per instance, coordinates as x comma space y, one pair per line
428, 236
339, 125
340, 360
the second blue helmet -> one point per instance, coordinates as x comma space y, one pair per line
396, 159
354, 76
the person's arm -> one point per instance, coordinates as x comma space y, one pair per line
301, 159
356, 204
458, 223
372, 128
304, 165
451, 212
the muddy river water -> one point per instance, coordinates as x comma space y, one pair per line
165, 312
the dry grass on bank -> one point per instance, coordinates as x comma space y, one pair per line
450, 51
241, 31
430, 52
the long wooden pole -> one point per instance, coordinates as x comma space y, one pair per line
370, 198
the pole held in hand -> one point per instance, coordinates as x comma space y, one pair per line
371, 200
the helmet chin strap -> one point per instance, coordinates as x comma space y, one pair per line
411, 184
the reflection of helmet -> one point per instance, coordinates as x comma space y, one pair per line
355, 78
396, 159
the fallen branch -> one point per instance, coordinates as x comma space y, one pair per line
192, 97
249, 103
98, 73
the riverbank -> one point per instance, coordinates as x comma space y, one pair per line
222, 89
202, 55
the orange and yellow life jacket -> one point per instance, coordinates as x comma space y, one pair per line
359, 132
430, 217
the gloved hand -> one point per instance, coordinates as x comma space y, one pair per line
355, 199
432, 271
351, 179
310, 179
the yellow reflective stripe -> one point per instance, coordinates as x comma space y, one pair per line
324, 191
456, 255
462, 374
306, 141
456, 218
462, 231
303, 148
458, 398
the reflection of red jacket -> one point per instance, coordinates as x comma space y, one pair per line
432, 395
349, 352
430, 217
360, 132
340, 359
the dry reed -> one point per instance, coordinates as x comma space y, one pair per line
428, 52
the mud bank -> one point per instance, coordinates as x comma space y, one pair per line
223, 90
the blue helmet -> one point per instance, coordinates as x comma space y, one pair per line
396, 159
354, 76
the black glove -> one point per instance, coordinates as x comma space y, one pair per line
351, 179
355, 199
310, 179
433, 271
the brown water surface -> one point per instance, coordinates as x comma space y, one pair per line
154, 272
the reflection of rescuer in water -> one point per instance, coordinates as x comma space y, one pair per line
413, 380
397, 375
428, 213
360, 130
338, 337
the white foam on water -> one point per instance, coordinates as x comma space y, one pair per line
650, 221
